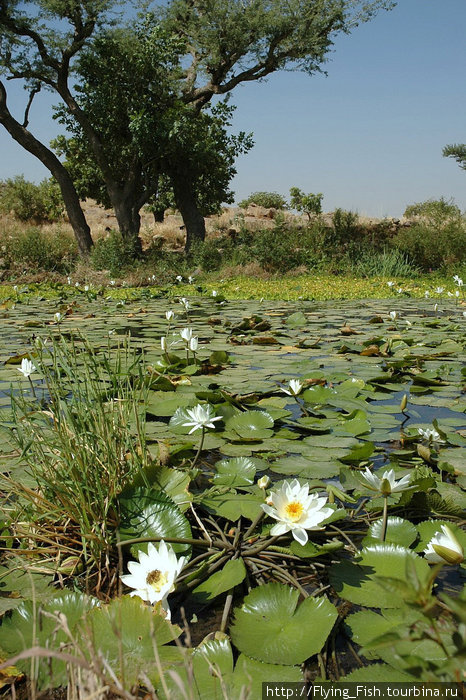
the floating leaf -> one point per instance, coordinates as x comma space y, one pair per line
270, 627
228, 577
399, 531
253, 425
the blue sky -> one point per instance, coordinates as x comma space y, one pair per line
369, 135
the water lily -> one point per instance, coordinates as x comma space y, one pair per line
179, 278
387, 484
190, 279
169, 315
393, 315
185, 303
214, 293
296, 510
426, 294
444, 547
457, 279
294, 387
430, 435
58, 317
439, 290
263, 482
27, 367
186, 334
400, 290
390, 284
163, 343
202, 417
153, 576
193, 343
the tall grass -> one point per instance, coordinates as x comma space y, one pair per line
80, 443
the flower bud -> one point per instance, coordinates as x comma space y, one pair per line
263, 482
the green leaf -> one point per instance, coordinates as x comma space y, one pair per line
378, 673
361, 582
232, 505
39, 625
252, 425
147, 512
399, 531
230, 576
296, 320
125, 633
235, 472
270, 627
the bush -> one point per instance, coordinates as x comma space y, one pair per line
306, 203
432, 246
269, 200
51, 251
345, 228
435, 211
389, 263
28, 201
111, 253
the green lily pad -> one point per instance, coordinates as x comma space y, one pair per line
271, 628
228, 577
399, 531
252, 425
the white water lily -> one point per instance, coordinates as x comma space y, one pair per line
400, 290
169, 315
153, 577
186, 334
393, 315
185, 303
27, 367
430, 435
457, 279
58, 317
263, 482
294, 387
439, 290
190, 279
387, 484
163, 342
426, 294
179, 278
390, 284
202, 416
444, 547
296, 510
214, 293
193, 343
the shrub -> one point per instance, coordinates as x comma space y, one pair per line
435, 211
388, 263
52, 251
28, 201
345, 228
432, 246
306, 203
269, 200
111, 253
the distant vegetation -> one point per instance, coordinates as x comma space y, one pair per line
432, 239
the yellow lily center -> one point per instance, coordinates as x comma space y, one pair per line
294, 511
156, 579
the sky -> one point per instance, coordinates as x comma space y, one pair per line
368, 135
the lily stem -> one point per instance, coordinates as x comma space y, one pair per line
384, 518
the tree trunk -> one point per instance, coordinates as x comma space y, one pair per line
129, 223
25, 139
187, 204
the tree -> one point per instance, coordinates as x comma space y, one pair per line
205, 48
458, 152
307, 203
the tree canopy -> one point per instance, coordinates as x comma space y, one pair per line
138, 111
458, 152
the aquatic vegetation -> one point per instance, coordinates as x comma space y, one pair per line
300, 459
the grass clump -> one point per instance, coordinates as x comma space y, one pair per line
77, 452
38, 249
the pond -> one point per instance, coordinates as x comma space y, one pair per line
222, 415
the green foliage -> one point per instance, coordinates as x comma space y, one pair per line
28, 201
431, 246
345, 228
307, 203
269, 200
436, 212
79, 459
391, 262
458, 152
110, 253
40, 250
